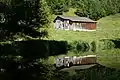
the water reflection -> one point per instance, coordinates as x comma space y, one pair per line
107, 51
110, 58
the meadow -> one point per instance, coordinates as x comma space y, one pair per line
107, 28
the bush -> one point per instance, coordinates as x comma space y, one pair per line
106, 44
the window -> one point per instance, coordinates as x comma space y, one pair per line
80, 26
68, 21
77, 25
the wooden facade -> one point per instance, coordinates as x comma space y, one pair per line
74, 23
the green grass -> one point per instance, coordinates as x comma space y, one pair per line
107, 28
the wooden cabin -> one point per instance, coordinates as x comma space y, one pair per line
81, 60
74, 23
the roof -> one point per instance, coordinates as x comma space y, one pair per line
76, 18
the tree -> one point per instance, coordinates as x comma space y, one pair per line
58, 6
21, 18
96, 9
44, 14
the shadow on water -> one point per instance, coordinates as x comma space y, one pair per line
34, 48
97, 72
21, 59
117, 43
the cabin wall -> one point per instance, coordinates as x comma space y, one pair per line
70, 25
58, 23
89, 26
84, 25
66, 24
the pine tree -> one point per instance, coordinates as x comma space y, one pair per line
44, 14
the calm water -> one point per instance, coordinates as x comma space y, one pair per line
109, 58
107, 51
108, 67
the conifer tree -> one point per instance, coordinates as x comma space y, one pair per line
44, 13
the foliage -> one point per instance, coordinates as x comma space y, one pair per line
106, 44
94, 9
79, 46
58, 6
22, 18
93, 44
44, 14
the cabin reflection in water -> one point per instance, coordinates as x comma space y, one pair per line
73, 61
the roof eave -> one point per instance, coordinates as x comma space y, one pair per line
73, 20
85, 21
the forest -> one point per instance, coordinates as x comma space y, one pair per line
25, 47
94, 9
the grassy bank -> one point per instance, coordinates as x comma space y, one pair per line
107, 28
